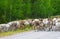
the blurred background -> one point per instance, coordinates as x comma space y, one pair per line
11, 10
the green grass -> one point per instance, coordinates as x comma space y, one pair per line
2, 34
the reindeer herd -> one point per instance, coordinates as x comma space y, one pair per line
46, 24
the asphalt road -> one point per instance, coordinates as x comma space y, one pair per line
34, 35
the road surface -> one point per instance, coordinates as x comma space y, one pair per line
34, 35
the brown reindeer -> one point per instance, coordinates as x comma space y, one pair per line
22, 26
36, 24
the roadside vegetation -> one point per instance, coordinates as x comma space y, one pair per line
2, 34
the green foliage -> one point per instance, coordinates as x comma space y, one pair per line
22, 9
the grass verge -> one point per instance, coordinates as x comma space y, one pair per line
14, 32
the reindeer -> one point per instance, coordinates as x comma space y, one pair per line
36, 24
13, 25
